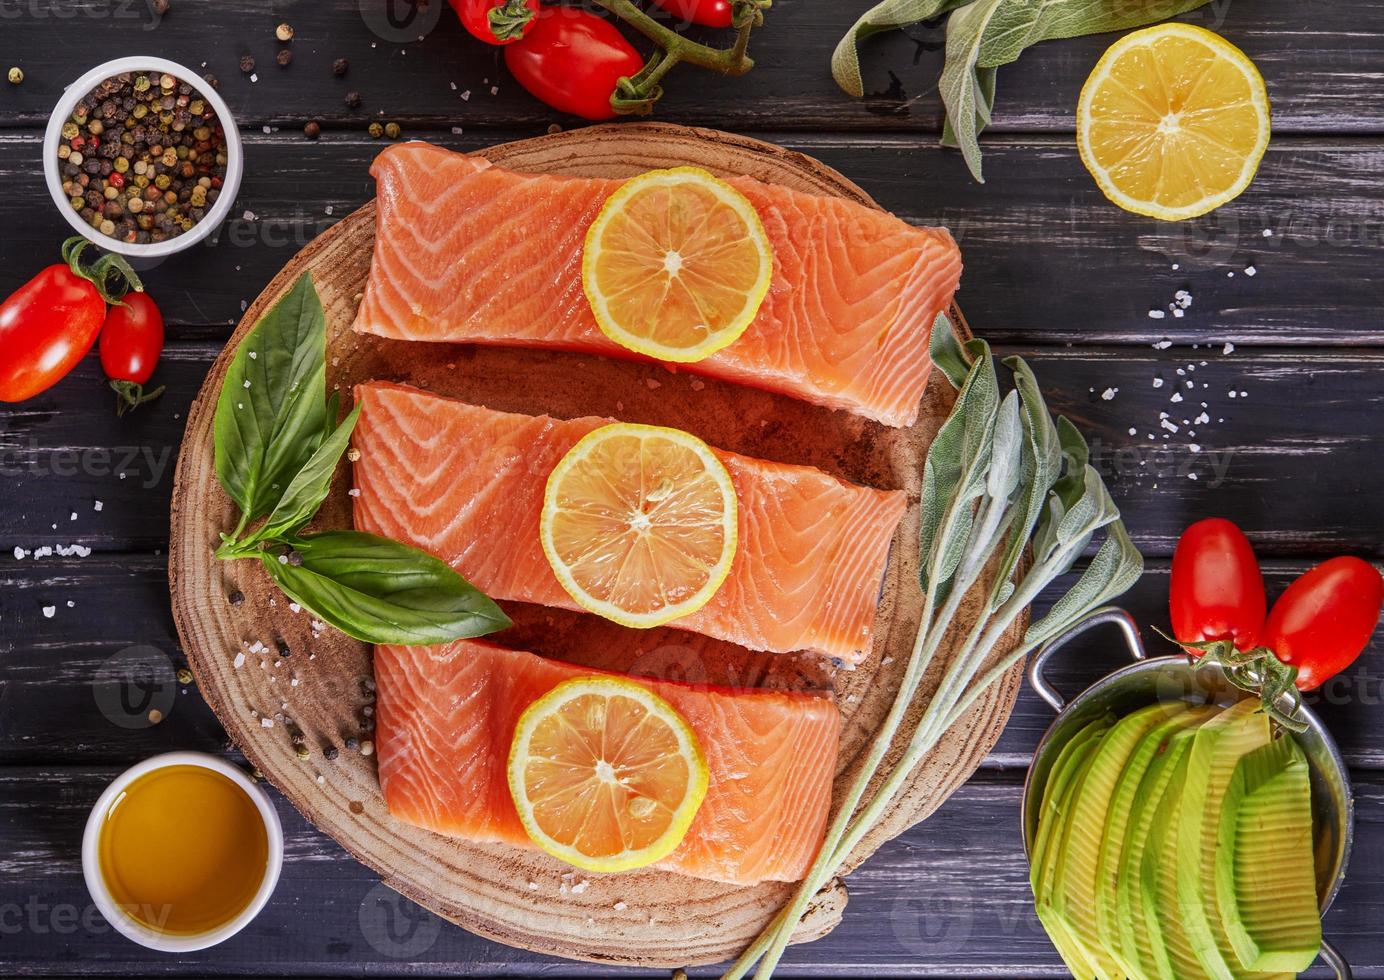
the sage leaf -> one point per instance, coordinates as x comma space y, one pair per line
887, 16
1116, 566
946, 352
310, 485
1019, 24
381, 591
270, 415
960, 85
985, 105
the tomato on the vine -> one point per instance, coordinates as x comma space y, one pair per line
1325, 618
708, 13
497, 21
1216, 592
48, 324
572, 60
131, 342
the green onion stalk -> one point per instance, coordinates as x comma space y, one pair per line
1007, 489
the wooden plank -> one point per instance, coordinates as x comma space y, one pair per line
58, 704
1255, 455
1090, 273
948, 899
1323, 81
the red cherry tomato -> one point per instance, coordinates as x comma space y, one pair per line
708, 13
571, 59
497, 21
1217, 592
131, 342
46, 326
1322, 622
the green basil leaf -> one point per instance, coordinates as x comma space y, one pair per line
1022, 23
271, 410
887, 16
310, 485
381, 591
330, 414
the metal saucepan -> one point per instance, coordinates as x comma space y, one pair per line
1163, 678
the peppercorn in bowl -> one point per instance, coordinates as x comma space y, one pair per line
143, 157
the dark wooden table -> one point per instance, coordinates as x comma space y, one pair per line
1290, 361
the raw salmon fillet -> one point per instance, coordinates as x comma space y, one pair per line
467, 251
466, 484
446, 717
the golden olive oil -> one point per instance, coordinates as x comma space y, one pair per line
183, 850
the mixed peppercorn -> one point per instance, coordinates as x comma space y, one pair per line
142, 157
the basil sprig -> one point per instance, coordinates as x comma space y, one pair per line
277, 447
1002, 481
984, 35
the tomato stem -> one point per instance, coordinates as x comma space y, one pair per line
507, 21
1257, 671
637, 94
99, 272
131, 394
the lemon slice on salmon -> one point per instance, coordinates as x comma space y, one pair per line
605, 774
639, 523
676, 265
1173, 122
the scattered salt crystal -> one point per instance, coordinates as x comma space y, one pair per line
580, 887
254, 77
1156, 314
456, 130
1267, 233
1230, 274
1194, 447
353, 492
1177, 397
466, 96
266, 722
698, 384
239, 661
1179, 313
267, 130
1132, 430
48, 611
97, 506
257, 647
533, 886
1181, 372
1191, 476
1170, 425
453, 87
1176, 266
494, 90
619, 906
19, 553
1108, 394
254, 355
246, 383
1162, 345
1244, 394
652, 384
1251, 271
1202, 419
1158, 382
1187, 384
1232, 394
294, 607
249, 216
328, 209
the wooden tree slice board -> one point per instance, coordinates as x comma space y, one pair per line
524, 898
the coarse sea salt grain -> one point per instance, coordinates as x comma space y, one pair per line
1133, 431
1177, 397
48, 611
1162, 345
1156, 314
580, 887
1108, 394
239, 661
619, 906
1158, 382
97, 506
1251, 271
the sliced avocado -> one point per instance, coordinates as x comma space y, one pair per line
1265, 874
1064, 783
1169, 950
1059, 777
1130, 789
1141, 955
1219, 746
1073, 898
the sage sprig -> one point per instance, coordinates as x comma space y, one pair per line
983, 36
278, 444
1001, 480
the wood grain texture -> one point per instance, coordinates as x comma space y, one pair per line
483, 887
1320, 61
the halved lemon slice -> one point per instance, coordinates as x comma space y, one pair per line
1173, 122
639, 523
676, 264
605, 774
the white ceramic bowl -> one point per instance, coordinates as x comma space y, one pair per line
132, 928
154, 251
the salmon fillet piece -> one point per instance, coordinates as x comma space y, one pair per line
446, 717
466, 484
470, 252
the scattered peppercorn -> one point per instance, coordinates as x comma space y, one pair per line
247, 63
16, 75
296, 736
184, 676
392, 130
340, 66
376, 130
237, 597
284, 32
353, 100
295, 558
302, 752
284, 57
212, 80
554, 129
312, 130
330, 753
352, 743
368, 711
284, 649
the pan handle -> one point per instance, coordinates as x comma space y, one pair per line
1110, 614
1332, 957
